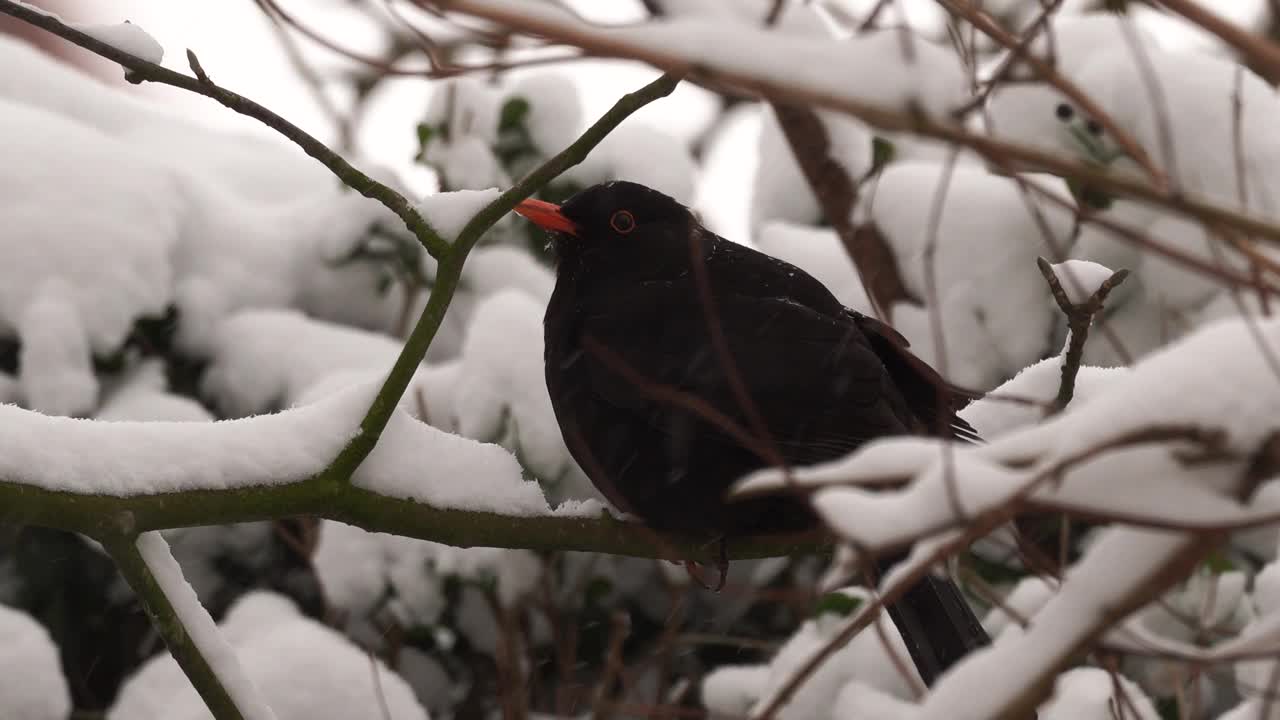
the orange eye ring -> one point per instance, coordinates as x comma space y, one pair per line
622, 222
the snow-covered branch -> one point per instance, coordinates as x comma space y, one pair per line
193, 639
748, 57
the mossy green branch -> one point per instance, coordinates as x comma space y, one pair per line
123, 549
450, 269
106, 516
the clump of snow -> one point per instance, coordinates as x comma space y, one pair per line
359, 570
416, 461
266, 359
731, 690
142, 394
1081, 279
819, 252
988, 236
306, 671
866, 702
1027, 597
1091, 694
555, 117
258, 167
56, 364
466, 163
492, 268
993, 416
864, 660
449, 212
500, 387
1176, 34
32, 686
98, 251
780, 190
643, 154
125, 37
200, 628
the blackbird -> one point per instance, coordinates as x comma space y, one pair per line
677, 362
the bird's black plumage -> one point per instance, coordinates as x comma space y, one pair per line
628, 327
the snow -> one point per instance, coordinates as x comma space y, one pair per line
142, 395
412, 460
449, 212
819, 252
415, 461
500, 387
1025, 600
1180, 385
131, 458
200, 628
125, 37
1081, 279
91, 254
258, 168
1121, 561
555, 116
988, 336
993, 416
722, 197
730, 690
1089, 693
866, 702
466, 163
640, 153
361, 570
781, 191
864, 660
57, 368
32, 686
929, 78
306, 672
1175, 34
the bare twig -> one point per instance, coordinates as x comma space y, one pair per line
1079, 318
837, 194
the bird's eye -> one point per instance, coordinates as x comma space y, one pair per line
1064, 111
622, 221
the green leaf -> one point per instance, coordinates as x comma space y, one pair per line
514, 112
425, 134
1218, 563
882, 152
836, 603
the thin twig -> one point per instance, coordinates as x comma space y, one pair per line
1079, 318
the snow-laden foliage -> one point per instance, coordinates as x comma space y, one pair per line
188, 308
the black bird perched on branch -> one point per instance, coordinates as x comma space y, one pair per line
678, 362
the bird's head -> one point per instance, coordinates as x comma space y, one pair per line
608, 214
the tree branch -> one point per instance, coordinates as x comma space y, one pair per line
837, 194
139, 70
631, 42
1079, 318
123, 548
102, 515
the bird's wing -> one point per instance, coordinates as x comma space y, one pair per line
931, 399
816, 381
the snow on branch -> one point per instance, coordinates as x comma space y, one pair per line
796, 70
190, 633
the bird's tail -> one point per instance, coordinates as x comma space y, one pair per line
937, 625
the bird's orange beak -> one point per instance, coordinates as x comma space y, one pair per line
546, 216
